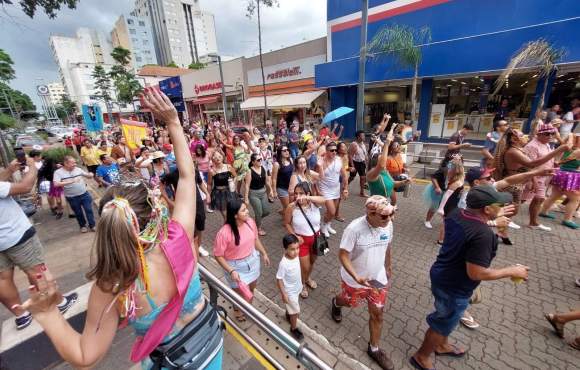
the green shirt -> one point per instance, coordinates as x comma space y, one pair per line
383, 185
570, 165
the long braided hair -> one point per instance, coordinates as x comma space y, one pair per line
504, 144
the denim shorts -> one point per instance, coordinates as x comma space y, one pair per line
282, 193
248, 268
448, 311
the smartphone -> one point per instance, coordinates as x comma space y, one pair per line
376, 284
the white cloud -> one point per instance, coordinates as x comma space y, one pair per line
26, 40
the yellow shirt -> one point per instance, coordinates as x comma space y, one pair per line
90, 156
101, 152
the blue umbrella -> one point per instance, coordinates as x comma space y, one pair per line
336, 114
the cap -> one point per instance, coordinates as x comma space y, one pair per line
486, 195
546, 128
476, 173
167, 146
157, 154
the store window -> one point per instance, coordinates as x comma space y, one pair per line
458, 101
391, 98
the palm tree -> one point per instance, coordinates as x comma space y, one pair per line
539, 55
254, 6
121, 56
401, 44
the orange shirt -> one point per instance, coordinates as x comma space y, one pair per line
395, 165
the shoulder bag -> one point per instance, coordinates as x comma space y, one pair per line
320, 245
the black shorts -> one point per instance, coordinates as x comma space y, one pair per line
200, 217
360, 168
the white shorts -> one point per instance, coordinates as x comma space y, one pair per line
293, 306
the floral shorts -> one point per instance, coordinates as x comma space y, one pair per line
373, 296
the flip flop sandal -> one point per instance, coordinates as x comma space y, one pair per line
575, 343
454, 353
418, 366
339, 219
469, 323
311, 284
240, 317
304, 293
559, 330
578, 282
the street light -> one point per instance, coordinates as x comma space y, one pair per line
224, 102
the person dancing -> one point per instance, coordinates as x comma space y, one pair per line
331, 170
156, 271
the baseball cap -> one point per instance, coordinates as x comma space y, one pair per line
486, 195
476, 173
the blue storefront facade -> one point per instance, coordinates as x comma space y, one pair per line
471, 42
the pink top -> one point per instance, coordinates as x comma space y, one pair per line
534, 149
225, 246
203, 163
194, 143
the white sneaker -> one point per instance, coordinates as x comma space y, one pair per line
202, 251
428, 224
541, 227
514, 226
330, 229
324, 229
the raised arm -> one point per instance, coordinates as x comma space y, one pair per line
184, 210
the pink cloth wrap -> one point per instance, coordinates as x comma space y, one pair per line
177, 250
567, 180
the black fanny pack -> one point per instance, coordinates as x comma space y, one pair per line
198, 343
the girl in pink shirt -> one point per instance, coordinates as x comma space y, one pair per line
238, 248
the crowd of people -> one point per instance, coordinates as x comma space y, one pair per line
148, 220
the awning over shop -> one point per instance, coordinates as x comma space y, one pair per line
296, 100
205, 100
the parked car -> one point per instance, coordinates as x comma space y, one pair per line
27, 142
30, 130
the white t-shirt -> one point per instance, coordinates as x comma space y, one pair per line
567, 125
367, 247
76, 188
300, 224
329, 184
13, 221
289, 273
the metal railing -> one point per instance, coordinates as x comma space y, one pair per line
299, 351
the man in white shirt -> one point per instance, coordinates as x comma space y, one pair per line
365, 256
19, 244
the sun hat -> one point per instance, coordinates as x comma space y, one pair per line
157, 154
546, 128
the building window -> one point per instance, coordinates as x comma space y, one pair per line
134, 40
130, 21
141, 23
139, 59
132, 31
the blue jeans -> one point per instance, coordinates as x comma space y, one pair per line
294, 151
448, 311
80, 203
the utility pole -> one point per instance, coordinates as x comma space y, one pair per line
8, 102
224, 101
360, 101
262, 62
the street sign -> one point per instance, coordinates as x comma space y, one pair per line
42, 89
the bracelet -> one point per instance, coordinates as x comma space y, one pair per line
491, 223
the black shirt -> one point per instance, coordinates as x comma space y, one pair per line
258, 180
467, 239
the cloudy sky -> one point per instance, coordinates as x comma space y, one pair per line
26, 40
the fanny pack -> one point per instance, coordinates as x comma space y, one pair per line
196, 345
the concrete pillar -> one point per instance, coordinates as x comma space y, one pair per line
425, 108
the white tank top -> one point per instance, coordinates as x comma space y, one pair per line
300, 224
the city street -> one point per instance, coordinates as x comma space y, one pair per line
513, 333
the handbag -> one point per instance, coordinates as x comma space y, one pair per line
196, 345
320, 245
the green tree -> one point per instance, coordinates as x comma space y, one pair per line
66, 108
6, 63
172, 64
253, 7
50, 7
126, 85
17, 100
402, 45
539, 55
121, 55
103, 86
196, 66
6, 121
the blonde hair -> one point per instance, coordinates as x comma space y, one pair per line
457, 172
116, 246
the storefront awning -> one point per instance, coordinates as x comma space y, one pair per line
296, 100
206, 100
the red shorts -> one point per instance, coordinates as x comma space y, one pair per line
373, 296
306, 247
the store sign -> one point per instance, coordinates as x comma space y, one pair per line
293, 70
286, 72
199, 89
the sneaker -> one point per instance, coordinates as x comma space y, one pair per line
202, 251
330, 229
381, 358
514, 226
23, 321
59, 215
70, 300
297, 334
335, 311
84, 230
540, 227
324, 230
428, 224
93, 229
547, 215
571, 224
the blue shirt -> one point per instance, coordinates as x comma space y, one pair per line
467, 239
109, 174
170, 160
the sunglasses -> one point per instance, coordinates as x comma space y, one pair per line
284, 149
333, 150
383, 217
487, 178
547, 133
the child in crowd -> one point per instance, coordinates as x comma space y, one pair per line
290, 282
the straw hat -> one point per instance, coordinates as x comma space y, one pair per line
157, 154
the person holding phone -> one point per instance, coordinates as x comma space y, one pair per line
365, 256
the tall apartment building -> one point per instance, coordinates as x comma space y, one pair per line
135, 34
76, 57
56, 92
181, 30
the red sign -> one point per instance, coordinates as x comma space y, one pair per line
207, 87
287, 72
